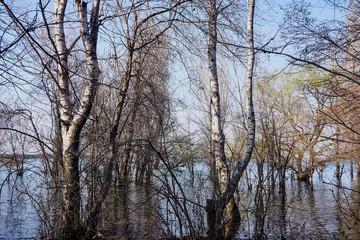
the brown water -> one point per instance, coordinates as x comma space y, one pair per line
322, 211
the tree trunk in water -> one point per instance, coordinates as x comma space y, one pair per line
72, 125
124, 171
259, 202
71, 225
337, 154
282, 193
223, 217
93, 218
228, 195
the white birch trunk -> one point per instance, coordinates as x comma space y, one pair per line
217, 135
72, 124
242, 164
220, 173
227, 196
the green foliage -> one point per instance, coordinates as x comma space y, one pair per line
310, 78
299, 80
290, 91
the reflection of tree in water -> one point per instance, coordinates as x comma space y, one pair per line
303, 210
348, 208
133, 214
296, 210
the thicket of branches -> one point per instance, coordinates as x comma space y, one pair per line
170, 101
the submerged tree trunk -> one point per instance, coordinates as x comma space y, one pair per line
93, 218
224, 208
259, 202
282, 194
72, 120
220, 176
72, 125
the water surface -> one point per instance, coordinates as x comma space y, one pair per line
318, 211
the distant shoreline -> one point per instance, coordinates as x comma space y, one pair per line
19, 156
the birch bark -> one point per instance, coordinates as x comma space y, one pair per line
72, 124
220, 173
242, 164
217, 135
222, 205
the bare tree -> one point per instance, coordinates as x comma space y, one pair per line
216, 209
72, 119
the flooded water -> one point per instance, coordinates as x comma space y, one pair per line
132, 214
318, 211
19, 218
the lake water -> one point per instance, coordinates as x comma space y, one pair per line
18, 216
322, 211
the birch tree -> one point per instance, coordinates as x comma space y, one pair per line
219, 210
217, 134
220, 173
72, 123
73, 116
